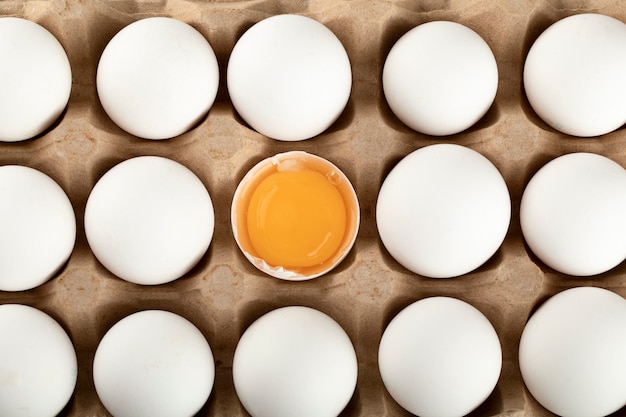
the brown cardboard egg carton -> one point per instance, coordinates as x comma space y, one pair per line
224, 294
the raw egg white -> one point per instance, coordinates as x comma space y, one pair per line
440, 357
149, 220
157, 78
443, 211
571, 353
38, 228
35, 79
574, 75
572, 214
153, 364
289, 77
440, 78
295, 361
295, 216
38, 365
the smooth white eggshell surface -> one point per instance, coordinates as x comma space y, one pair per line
572, 214
574, 75
157, 78
149, 220
153, 364
289, 77
38, 365
295, 361
440, 357
35, 79
571, 353
440, 78
38, 228
443, 211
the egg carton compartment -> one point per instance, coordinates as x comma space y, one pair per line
224, 293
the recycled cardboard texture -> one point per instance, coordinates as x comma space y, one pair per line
224, 293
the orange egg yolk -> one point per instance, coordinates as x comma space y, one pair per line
296, 219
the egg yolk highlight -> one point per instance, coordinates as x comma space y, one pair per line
296, 219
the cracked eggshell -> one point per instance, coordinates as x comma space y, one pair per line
291, 160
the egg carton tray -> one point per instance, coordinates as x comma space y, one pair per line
224, 293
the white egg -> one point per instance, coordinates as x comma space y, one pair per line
38, 365
572, 214
440, 357
289, 77
38, 228
295, 361
35, 79
574, 75
443, 211
571, 353
153, 364
149, 220
157, 78
440, 78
